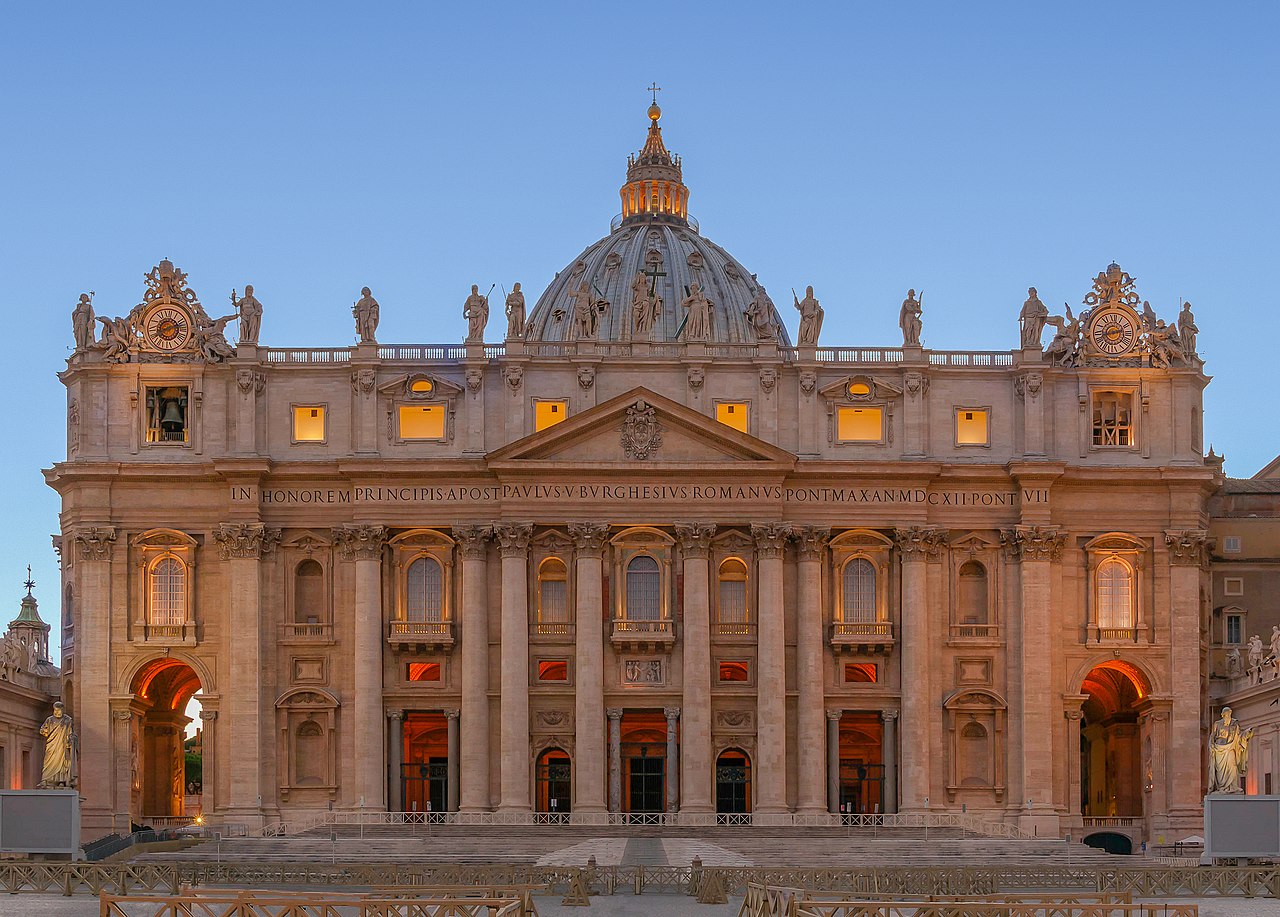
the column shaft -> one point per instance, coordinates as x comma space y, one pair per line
588, 721
615, 760
368, 682
833, 760
451, 804
243, 702
514, 765
395, 768
889, 755
673, 759
696, 765
771, 686
914, 641
1184, 774
93, 677
474, 542
810, 669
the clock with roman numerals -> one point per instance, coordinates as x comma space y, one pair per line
168, 329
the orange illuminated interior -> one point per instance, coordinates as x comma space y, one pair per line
553, 670
734, 671
860, 671
424, 671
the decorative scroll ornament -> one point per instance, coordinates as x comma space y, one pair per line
250, 381
514, 376
245, 539
1188, 548
95, 543
360, 542
641, 432
697, 375
1033, 542
586, 377
808, 381
768, 379
1027, 386
475, 379
362, 381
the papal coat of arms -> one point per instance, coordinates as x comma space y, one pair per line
641, 432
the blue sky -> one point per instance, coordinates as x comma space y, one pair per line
969, 150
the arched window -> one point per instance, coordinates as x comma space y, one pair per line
644, 589
308, 593
424, 592
168, 589
975, 768
972, 598
1115, 594
859, 591
733, 597
553, 593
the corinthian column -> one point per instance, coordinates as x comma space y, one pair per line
242, 544
363, 544
514, 762
1187, 557
473, 541
812, 541
696, 767
93, 674
589, 743
771, 681
915, 640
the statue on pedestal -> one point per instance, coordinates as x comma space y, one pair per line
476, 311
1187, 332
59, 749
810, 317
586, 312
1228, 754
82, 322
515, 313
909, 320
1255, 658
366, 313
250, 314
1032, 320
759, 316
698, 321
646, 306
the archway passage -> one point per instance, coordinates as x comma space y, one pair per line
160, 780
861, 763
554, 779
733, 782
424, 769
1111, 842
1110, 741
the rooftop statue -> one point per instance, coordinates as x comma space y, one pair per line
1228, 754
82, 322
515, 313
476, 311
909, 320
585, 313
59, 749
1064, 347
117, 338
1032, 320
366, 313
760, 314
1163, 344
210, 339
250, 314
697, 323
646, 306
1187, 332
810, 317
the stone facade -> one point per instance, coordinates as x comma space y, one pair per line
596, 571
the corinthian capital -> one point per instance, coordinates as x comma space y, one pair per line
695, 537
812, 540
360, 542
513, 537
771, 538
1033, 542
920, 541
245, 539
1187, 548
473, 540
95, 543
589, 537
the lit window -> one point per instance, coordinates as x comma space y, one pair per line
553, 670
644, 589
859, 389
168, 592
864, 672
553, 592
733, 414
549, 413
422, 421
859, 591
167, 415
971, 427
1231, 544
424, 592
422, 386
734, 671
733, 596
860, 425
1115, 594
308, 423
1235, 629
423, 671
1233, 585
1112, 419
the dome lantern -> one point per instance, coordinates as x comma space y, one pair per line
655, 189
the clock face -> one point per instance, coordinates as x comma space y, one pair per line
1114, 333
168, 329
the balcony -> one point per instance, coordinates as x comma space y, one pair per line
420, 636
642, 636
550, 631
862, 637
168, 634
310, 632
1113, 634
975, 632
732, 628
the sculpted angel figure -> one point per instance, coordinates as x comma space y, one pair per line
250, 314
1163, 344
1187, 332
82, 322
909, 320
759, 316
366, 314
59, 748
1228, 754
810, 317
117, 338
1032, 319
211, 341
515, 312
476, 311
698, 322
1062, 349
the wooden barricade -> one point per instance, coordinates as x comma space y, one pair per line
302, 904
521, 890
807, 907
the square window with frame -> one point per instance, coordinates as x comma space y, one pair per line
1233, 630
1233, 585
549, 412
554, 670
973, 426
422, 422
168, 420
736, 414
1230, 544
309, 423
423, 671
1113, 420
861, 673
734, 671
860, 424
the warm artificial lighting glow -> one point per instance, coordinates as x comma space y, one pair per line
860, 425
549, 413
734, 671
553, 670
424, 671
860, 672
421, 421
971, 427
422, 387
733, 414
308, 423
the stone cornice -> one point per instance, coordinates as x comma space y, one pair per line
95, 542
589, 537
360, 542
245, 539
695, 538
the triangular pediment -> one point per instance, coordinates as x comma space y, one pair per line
640, 429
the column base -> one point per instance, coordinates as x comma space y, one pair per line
813, 810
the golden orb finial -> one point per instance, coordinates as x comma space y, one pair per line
654, 112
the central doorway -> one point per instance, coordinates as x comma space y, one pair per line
644, 762
554, 779
861, 764
1110, 740
424, 769
733, 782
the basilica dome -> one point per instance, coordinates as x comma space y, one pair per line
638, 278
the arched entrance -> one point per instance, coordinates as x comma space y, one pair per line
424, 769
554, 780
161, 784
1110, 841
733, 782
1111, 741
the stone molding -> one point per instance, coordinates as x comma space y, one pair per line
695, 538
245, 539
513, 376
95, 542
1027, 386
768, 379
812, 541
360, 542
1033, 542
920, 542
771, 538
589, 537
1188, 548
513, 538
473, 540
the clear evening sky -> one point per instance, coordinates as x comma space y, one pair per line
967, 149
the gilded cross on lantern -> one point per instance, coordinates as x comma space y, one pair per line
30, 583
655, 89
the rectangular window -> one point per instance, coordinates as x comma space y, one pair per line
167, 420
1233, 585
1230, 544
971, 427
308, 423
553, 670
733, 414
549, 413
860, 425
422, 421
734, 670
1112, 419
423, 671
1235, 630
864, 672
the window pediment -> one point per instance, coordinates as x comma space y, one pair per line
856, 389
163, 538
975, 699
308, 698
1115, 541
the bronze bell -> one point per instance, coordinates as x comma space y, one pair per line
171, 419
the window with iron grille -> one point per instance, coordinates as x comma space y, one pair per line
644, 589
859, 591
424, 591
